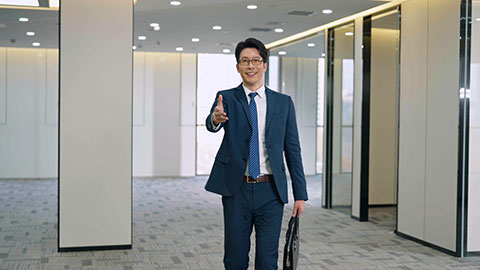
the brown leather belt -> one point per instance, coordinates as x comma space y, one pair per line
260, 179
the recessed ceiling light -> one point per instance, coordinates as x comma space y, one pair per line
278, 30
282, 53
142, 38
217, 27
226, 50
179, 49
349, 34
156, 28
153, 24
311, 45
323, 54
23, 19
175, 3
478, 19
30, 3
30, 34
327, 11
252, 6
36, 44
134, 47
195, 39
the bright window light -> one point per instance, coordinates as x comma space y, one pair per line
54, 3
30, 3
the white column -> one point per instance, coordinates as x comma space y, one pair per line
95, 136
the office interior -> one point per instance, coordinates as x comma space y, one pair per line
99, 127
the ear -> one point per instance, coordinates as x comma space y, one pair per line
265, 65
238, 70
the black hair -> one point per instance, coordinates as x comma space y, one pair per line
251, 43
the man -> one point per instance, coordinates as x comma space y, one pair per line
260, 126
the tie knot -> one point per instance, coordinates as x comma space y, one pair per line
252, 95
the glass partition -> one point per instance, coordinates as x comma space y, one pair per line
341, 82
297, 69
384, 103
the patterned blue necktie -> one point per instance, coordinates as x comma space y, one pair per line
254, 157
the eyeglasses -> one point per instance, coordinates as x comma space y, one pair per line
246, 62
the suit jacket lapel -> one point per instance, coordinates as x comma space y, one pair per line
270, 106
240, 94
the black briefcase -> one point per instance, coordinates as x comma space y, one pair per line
291, 250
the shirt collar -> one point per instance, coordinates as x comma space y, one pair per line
260, 91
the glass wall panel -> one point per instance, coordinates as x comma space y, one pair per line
384, 96
343, 74
301, 75
210, 80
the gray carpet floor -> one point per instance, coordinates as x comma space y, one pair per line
178, 225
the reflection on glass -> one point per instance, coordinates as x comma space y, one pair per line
210, 80
343, 74
384, 92
347, 149
301, 76
319, 165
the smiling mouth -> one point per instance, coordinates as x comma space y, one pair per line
251, 74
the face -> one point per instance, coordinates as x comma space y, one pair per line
252, 75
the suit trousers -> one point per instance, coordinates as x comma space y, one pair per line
256, 205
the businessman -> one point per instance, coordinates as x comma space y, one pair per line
249, 172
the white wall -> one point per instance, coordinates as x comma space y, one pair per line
28, 113
427, 194
473, 237
164, 142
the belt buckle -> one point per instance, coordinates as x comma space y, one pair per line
251, 181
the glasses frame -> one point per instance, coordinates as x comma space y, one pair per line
247, 62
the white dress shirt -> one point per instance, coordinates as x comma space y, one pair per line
261, 102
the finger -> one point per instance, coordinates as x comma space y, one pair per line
220, 101
294, 212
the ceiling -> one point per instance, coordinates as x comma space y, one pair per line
193, 18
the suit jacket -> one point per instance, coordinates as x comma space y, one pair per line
281, 135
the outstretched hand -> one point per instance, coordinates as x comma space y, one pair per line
219, 115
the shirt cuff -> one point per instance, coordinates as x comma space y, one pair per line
217, 127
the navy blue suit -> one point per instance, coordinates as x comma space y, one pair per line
259, 204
